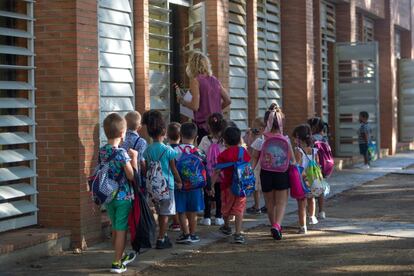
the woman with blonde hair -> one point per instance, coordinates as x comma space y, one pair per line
208, 95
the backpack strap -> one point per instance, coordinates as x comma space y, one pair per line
241, 153
136, 142
109, 159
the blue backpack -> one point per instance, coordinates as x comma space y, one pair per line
191, 169
243, 183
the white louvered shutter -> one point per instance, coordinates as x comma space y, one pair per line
18, 206
159, 47
116, 58
238, 63
368, 29
269, 63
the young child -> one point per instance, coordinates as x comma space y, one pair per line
212, 145
173, 136
275, 185
318, 127
132, 139
364, 135
232, 205
304, 152
189, 203
257, 137
120, 167
157, 151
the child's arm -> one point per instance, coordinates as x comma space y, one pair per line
255, 158
177, 178
131, 165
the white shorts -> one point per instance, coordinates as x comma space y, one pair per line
166, 207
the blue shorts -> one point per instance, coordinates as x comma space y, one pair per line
191, 201
363, 149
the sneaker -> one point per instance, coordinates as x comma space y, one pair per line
163, 244
183, 238
322, 215
276, 233
263, 210
219, 221
226, 230
205, 222
254, 211
365, 167
175, 227
303, 230
313, 220
118, 268
194, 238
239, 238
129, 258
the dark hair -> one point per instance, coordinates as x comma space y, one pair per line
272, 107
317, 124
364, 114
232, 136
189, 131
216, 123
303, 133
133, 120
173, 131
155, 123
230, 123
113, 126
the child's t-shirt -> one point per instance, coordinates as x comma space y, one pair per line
135, 142
116, 169
231, 154
157, 150
257, 145
206, 142
364, 129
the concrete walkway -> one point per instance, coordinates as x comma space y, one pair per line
96, 260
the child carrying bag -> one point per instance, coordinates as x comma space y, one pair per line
275, 154
157, 185
191, 169
315, 182
297, 184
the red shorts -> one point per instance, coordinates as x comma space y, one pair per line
232, 205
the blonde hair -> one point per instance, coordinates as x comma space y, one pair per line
114, 125
198, 63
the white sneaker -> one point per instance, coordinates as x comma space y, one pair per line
303, 230
365, 167
322, 215
219, 221
205, 221
313, 220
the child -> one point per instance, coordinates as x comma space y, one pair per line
120, 167
173, 136
212, 145
275, 185
232, 205
132, 139
257, 137
188, 203
157, 151
318, 127
303, 153
364, 134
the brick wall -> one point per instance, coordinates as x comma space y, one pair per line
252, 59
67, 114
317, 36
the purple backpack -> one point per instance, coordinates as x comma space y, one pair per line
326, 160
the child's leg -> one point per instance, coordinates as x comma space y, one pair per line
119, 244
280, 200
217, 196
321, 203
192, 221
311, 206
207, 205
270, 205
256, 197
238, 223
302, 211
176, 219
184, 223
163, 225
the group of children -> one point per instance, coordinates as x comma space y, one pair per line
126, 150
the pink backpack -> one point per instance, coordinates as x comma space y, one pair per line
275, 155
213, 152
326, 160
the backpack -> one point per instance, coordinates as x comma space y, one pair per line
326, 159
191, 169
103, 189
213, 152
372, 151
157, 185
315, 182
297, 190
275, 155
243, 180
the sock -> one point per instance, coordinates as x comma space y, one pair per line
277, 226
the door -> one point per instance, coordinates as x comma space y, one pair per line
406, 99
116, 59
356, 90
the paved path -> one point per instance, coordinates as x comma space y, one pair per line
95, 261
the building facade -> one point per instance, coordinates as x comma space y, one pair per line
66, 64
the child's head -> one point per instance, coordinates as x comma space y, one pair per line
114, 126
198, 64
317, 125
155, 124
133, 120
363, 116
188, 133
232, 136
303, 134
274, 120
173, 133
258, 126
216, 124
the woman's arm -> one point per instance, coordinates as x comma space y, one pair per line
226, 101
195, 92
